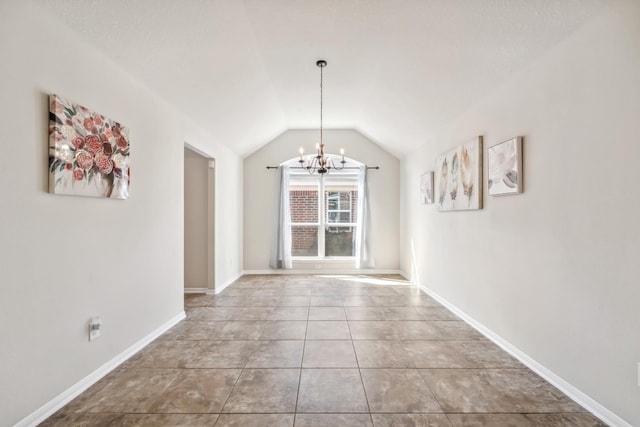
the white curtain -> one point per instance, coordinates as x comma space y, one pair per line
281, 243
364, 256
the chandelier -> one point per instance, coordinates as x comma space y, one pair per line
320, 163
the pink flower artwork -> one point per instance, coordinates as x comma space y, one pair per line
88, 153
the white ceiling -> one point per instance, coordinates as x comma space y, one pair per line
245, 69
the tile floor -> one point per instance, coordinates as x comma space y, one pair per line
321, 351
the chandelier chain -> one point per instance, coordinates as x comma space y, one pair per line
321, 79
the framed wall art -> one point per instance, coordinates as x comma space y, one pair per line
426, 188
504, 161
458, 177
88, 153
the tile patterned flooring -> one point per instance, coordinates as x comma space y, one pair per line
321, 351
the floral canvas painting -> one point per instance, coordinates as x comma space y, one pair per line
426, 188
88, 153
458, 177
505, 167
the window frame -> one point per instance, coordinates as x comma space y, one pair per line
321, 182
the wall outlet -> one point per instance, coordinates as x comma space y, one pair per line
638, 374
95, 328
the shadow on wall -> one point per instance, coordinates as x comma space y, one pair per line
415, 277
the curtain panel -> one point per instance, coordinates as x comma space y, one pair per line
281, 242
364, 255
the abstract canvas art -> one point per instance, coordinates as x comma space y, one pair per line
458, 177
88, 153
505, 167
426, 188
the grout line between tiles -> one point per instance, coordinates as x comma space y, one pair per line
304, 346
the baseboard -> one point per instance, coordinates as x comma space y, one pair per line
196, 290
320, 271
222, 287
564, 386
72, 392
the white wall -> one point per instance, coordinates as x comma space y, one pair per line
63, 258
260, 193
196, 220
554, 271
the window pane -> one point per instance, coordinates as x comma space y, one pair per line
341, 205
304, 203
338, 241
344, 201
338, 217
304, 241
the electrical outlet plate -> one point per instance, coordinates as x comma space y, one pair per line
638, 374
95, 327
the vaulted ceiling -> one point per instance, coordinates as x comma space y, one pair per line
397, 69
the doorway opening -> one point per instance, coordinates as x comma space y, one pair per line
199, 221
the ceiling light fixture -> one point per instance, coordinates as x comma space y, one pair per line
320, 163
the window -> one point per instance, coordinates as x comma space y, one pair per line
323, 215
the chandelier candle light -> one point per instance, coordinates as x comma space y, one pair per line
320, 163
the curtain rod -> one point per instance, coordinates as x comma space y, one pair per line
346, 167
